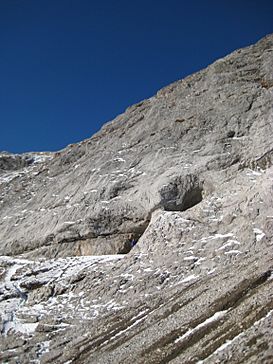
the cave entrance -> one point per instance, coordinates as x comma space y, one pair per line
190, 199
181, 194
133, 238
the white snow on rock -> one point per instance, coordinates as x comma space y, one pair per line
189, 278
215, 317
234, 251
259, 234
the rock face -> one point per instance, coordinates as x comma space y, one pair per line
152, 241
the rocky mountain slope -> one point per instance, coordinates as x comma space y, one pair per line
150, 242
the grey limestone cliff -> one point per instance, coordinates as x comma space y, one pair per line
150, 242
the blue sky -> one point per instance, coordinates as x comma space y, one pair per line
68, 66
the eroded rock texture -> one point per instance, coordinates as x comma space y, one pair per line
183, 184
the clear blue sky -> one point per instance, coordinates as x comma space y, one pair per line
68, 66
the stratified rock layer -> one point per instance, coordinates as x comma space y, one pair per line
186, 179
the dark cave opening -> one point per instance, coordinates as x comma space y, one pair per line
133, 237
190, 199
181, 195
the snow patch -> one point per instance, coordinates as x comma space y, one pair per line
215, 317
233, 252
188, 279
229, 243
212, 271
191, 257
259, 234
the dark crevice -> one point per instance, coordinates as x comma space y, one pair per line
192, 198
134, 238
181, 194
233, 299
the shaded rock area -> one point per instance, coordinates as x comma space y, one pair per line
150, 242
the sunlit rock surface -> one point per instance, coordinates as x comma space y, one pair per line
151, 242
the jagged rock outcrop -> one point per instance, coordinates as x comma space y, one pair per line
183, 183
